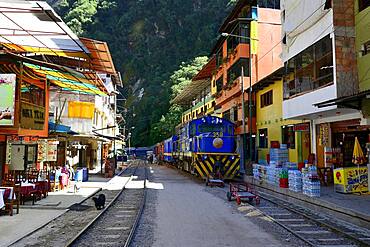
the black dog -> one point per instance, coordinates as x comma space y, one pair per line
99, 201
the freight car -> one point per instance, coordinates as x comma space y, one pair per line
203, 146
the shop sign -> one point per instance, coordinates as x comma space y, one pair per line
52, 150
41, 150
32, 116
302, 127
324, 134
7, 92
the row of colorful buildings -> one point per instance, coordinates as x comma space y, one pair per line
292, 72
57, 92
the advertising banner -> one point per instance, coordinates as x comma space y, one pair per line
7, 92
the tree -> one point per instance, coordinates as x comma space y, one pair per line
179, 80
148, 41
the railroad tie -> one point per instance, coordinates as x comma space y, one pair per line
300, 225
117, 228
279, 214
115, 236
290, 220
313, 232
329, 239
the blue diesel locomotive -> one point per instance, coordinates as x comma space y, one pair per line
204, 146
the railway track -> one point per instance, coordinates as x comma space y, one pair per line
314, 229
116, 224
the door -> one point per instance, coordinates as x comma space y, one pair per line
18, 157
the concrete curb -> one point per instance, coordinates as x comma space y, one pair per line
342, 213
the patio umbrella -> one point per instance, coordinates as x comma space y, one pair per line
358, 157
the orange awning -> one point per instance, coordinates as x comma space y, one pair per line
101, 59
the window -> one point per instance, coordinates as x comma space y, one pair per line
234, 114
271, 4
365, 48
31, 156
206, 128
363, 4
219, 84
226, 115
219, 58
262, 138
241, 28
193, 129
266, 99
288, 136
311, 69
235, 71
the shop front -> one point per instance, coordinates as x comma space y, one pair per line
23, 117
336, 153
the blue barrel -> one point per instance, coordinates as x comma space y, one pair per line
85, 174
78, 175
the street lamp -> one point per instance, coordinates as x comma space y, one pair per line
249, 101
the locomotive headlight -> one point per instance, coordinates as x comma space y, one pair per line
218, 142
205, 157
232, 157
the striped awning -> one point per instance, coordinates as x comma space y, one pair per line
69, 81
63, 77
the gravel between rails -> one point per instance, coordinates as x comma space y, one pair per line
114, 226
62, 230
144, 235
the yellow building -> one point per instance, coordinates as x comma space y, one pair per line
362, 21
272, 127
205, 107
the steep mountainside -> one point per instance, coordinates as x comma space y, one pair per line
148, 39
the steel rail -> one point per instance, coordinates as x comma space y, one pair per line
321, 223
139, 214
88, 226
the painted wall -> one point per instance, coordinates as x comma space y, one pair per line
269, 46
362, 22
266, 61
271, 117
304, 23
79, 125
199, 110
302, 106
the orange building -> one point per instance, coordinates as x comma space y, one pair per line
251, 23
27, 119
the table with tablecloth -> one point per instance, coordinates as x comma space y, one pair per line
5, 192
26, 188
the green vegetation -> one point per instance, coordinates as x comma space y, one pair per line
165, 127
149, 40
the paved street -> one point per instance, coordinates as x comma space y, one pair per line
187, 215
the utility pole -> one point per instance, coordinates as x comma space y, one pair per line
242, 163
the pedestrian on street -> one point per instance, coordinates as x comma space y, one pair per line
71, 173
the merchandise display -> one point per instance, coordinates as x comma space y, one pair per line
311, 182
295, 180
